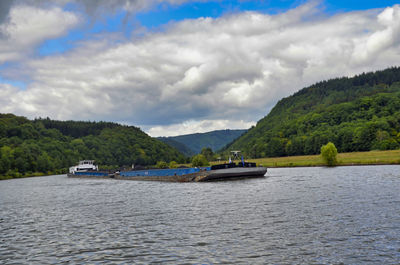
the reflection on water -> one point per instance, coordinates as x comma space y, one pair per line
299, 215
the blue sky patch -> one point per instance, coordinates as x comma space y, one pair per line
21, 85
164, 13
351, 5
61, 45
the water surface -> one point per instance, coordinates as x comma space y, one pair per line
347, 215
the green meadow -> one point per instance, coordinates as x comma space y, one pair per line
344, 159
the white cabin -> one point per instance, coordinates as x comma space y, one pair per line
84, 165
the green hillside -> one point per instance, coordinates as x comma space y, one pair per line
44, 145
356, 114
177, 145
195, 142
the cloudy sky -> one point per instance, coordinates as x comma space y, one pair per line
183, 66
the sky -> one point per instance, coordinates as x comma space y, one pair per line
182, 66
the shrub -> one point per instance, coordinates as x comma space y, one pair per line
173, 164
162, 164
199, 161
329, 153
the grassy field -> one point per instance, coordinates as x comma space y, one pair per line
344, 159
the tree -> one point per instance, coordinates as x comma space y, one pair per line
276, 147
199, 161
6, 156
44, 163
207, 153
21, 164
329, 153
173, 164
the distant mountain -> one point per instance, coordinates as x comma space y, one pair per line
361, 113
193, 143
45, 145
177, 145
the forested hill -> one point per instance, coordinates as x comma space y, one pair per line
356, 114
195, 142
44, 145
177, 145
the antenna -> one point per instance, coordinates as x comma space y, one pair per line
235, 154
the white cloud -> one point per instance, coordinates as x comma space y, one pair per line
192, 126
29, 26
7, 97
377, 42
207, 74
92, 7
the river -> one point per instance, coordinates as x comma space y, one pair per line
348, 215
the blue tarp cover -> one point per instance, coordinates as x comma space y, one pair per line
162, 172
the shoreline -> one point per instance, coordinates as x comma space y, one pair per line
29, 176
340, 165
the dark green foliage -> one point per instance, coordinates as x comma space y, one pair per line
44, 145
356, 114
196, 142
77, 129
207, 153
329, 153
199, 161
162, 164
177, 145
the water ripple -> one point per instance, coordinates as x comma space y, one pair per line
346, 215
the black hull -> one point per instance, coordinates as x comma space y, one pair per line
234, 173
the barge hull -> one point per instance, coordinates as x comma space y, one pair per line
233, 173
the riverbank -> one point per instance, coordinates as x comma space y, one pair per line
16, 175
20, 176
389, 157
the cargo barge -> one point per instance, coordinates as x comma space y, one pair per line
225, 171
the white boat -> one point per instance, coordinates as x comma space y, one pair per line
83, 166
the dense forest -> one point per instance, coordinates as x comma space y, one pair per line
356, 114
45, 145
191, 144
